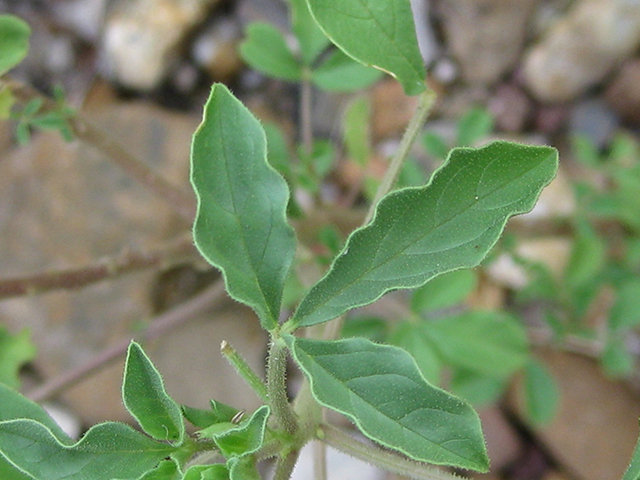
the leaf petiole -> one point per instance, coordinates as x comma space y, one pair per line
244, 370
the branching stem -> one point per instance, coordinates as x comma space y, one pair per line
277, 386
244, 370
285, 465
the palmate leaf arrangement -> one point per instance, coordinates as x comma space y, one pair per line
414, 235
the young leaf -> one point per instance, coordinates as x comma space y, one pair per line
380, 388
14, 41
166, 470
245, 439
377, 33
146, 399
311, 39
435, 145
207, 472
477, 389
340, 73
444, 291
218, 413
357, 135
475, 125
244, 468
241, 226
15, 351
107, 451
265, 49
625, 312
588, 256
491, 343
541, 393
418, 233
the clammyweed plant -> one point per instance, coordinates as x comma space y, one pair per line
419, 237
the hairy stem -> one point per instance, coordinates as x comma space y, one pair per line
175, 197
244, 370
426, 102
285, 465
73, 278
319, 460
160, 326
385, 459
277, 386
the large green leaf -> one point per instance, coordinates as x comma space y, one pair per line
15, 351
241, 226
266, 50
377, 33
107, 451
14, 41
420, 232
380, 388
144, 396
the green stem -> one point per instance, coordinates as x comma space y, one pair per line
427, 100
306, 126
244, 370
384, 459
277, 386
319, 460
285, 465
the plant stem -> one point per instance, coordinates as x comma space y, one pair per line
306, 106
244, 370
160, 326
277, 386
285, 465
385, 459
426, 102
175, 197
319, 460
73, 278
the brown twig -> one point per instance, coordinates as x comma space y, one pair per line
180, 201
73, 278
161, 325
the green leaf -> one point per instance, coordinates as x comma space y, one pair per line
541, 394
491, 343
584, 150
266, 50
14, 42
435, 145
218, 413
277, 150
144, 396
377, 33
15, 351
310, 38
244, 468
477, 389
475, 125
625, 312
9, 472
7, 100
246, 438
444, 291
380, 388
241, 225
340, 73
616, 360
410, 337
107, 451
357, 135
633, 471
166, 470
207, 472
587, 258
373, 328
419, 233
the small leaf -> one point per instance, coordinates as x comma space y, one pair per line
207, 472
166, 470
15, 351
380, 388
541, 393
340, 73
146, 399
491, 343
435, 145
7, 100
246, 438
444, 291
625, 312
357, 135
218, 413
474, 126
265, 49
244, 468
107, 451
241, 225
410, 337
419, 233
633, 471
14, 42
477, 389
377, 33
588, 256
310, 38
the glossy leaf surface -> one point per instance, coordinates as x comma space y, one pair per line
266, 50
241, 226
377, 33
380, 388
107, 451
14, 41
144, 396
418, 233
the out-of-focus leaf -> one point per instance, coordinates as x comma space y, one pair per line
444, 291
15, 351
14, 41
340, 73
410, 337
541, 394
475, 125
266, 50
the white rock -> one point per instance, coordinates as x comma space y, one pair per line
580, 50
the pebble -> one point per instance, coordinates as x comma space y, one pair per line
594, 119
581, 49
510, 106
623, 94
83, 17
215, 49
485, 36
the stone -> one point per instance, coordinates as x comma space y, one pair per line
485, 36
594, 119
83, 17
579, 51
623, 93
510, 107
215, 49
142, 38
596, 427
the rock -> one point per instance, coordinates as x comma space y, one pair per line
579, 51
215, 50
510, 107
142, 38
83, 17
503, 443
592, 118
274, 12
596, 428
485, 36
623, 94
